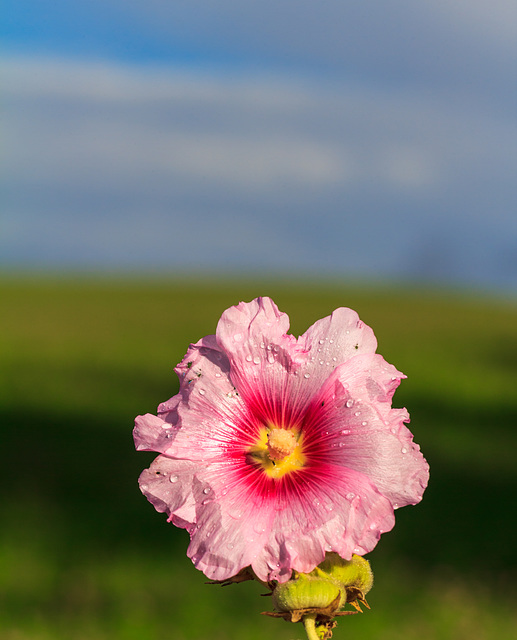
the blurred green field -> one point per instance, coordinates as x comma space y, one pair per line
83, 556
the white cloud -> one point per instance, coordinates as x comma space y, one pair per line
110, 164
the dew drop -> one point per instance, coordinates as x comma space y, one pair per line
258, 527
248, 358
262, 345
306, 375
345, 432
349, 403
364, 423
276, 348
316, 502
256, 360
206, 491
404, 450
331, 341
271, 359
347, 331
202, 392
230, 545
350, 496
217, 375
322, 341
173, 479
357, 413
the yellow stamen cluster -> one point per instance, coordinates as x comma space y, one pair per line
280, 444
279, 451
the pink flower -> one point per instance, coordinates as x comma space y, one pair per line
276, 449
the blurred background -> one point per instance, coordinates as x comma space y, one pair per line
164, 160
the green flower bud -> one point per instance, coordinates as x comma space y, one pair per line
308, 592
355, 573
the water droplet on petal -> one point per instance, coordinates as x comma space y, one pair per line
173, 478
306, 375
364, 423
350, 403
206, 490
322, 341
350, 496
357, 413
345, 432
248, 358
404, 450
256, 360
230, 545
217, 375
202, 392
271, 359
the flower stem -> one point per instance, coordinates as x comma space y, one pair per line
309, 622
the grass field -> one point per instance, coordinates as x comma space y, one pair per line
83, 556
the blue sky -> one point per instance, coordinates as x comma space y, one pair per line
374, 139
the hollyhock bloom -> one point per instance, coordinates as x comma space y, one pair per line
277, 450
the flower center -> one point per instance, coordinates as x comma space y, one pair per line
280, 444
278, 451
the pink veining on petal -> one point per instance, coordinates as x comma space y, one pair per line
329, 385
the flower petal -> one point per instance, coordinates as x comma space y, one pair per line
334, 340
366, 434
167, 485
